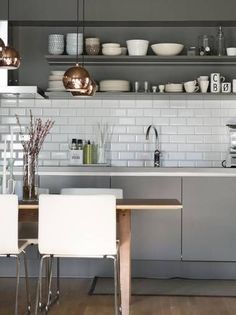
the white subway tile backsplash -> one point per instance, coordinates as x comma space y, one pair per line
192, 132
160, 121
177, 103
203, 130
212, 121
151, 112
176, 156
143, 103
44, 103
185, 130
203, 147
126, 155
144, 121
161, 103
186, 147
51, 112
195, 139
177, 121
127, 121
5, 111
169, 112
135, 147
194, 121
177, 139
193, 156
127, 103
119, 147
127, 138
212, 156
169, 130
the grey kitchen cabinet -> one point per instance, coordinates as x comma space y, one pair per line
156, 235
4, 10
160, 11
209, 219
42, 10
56, 183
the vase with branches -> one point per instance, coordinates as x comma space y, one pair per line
32, 140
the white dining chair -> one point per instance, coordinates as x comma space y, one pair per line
10, 246
77, 226
118, 193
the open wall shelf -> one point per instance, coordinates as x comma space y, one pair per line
142, 60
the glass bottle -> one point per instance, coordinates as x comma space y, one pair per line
88, 153
220, 42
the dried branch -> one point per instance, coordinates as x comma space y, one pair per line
37, 131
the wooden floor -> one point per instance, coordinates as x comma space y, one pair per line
75, 301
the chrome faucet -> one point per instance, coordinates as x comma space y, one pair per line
157, 152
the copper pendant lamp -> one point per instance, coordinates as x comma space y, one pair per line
9, 56
77, 79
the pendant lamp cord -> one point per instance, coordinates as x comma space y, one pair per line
77, 33
83, 30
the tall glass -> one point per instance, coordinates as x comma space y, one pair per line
30, 177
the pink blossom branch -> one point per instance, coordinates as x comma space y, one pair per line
37, 132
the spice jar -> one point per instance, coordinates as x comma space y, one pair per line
92, 46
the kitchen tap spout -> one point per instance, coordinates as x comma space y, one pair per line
157, 152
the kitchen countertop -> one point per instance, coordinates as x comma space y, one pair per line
132, 171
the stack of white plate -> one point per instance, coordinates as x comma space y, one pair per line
174, 88
56, 44
55, 82
71, 43
114, 86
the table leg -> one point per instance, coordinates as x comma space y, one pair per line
125, 259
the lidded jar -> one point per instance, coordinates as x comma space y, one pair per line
92, 46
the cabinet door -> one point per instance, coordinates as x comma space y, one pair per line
42, 10
4, 10
56, 183
209, 219
156, 234
161, 10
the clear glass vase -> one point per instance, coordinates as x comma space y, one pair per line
30, 176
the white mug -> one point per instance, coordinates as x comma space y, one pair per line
161, 88
226, 87
234, 85
190, 86
204, 84
203, 78
216, 80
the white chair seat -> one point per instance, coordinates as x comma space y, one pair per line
10, 245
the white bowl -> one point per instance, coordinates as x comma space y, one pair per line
167, 49
231, 51
116, 51
111, 45
137, 47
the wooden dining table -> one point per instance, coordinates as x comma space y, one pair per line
28, 212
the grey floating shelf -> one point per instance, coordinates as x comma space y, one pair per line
133, 95
142, 60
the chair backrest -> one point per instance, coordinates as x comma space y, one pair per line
77, 225
118, 193
8, 224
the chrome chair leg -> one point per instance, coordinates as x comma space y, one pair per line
38, 304
116, 306
116, 286
17, 281
58, 277
48, 303
27, 283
